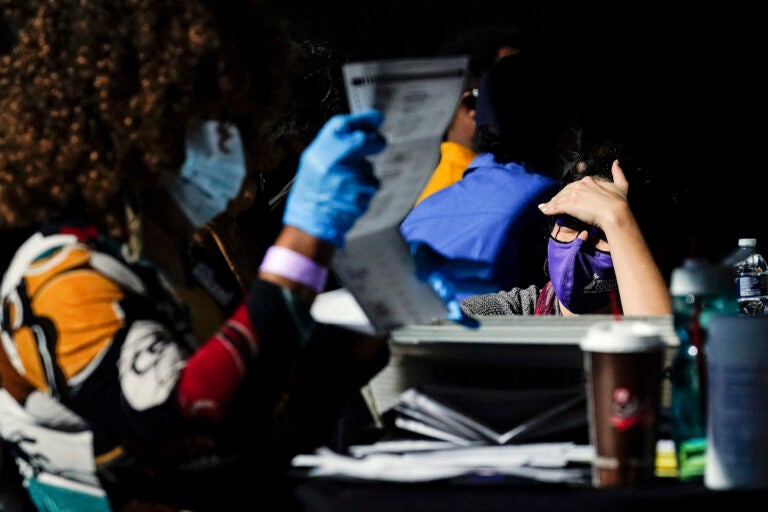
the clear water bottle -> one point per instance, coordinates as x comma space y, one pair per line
699, 290
750, 272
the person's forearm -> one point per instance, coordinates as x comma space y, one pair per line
642, 287
298, 241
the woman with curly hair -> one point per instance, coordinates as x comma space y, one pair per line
126, 127
598, 260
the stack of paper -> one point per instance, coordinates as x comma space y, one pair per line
452, 444
422, 414
548, 462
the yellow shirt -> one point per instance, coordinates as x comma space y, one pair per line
454, 159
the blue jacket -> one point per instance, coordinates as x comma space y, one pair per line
490, 216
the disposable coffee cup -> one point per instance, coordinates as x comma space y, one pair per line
623, 363
737, 403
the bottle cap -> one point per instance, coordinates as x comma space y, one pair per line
697, 276
747, 242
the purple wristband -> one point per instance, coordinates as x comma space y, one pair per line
294, 266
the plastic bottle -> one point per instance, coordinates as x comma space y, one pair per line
700, 290
750, 272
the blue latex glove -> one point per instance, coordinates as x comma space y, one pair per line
451, 279
335, 181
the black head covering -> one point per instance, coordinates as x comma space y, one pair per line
522, 100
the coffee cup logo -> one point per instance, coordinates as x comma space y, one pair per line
625, 409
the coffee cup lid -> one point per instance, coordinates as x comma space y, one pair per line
622, 336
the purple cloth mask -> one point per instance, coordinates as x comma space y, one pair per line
582, 276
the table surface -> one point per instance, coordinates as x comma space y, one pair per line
328, 495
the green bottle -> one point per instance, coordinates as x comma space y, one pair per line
699, 291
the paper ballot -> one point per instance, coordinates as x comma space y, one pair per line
418, 98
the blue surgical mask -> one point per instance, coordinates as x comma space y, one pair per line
209, 177
582, 276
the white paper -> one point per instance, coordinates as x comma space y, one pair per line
340, 307
434, 418
544, 461
418, 98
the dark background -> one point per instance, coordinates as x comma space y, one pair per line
691, 79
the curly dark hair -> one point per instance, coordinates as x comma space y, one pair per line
598, 161
653, 202
96, 96
317, 96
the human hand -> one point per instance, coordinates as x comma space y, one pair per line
592, 201
335, 181
450, 279
446, 290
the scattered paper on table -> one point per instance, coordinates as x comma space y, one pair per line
549, 462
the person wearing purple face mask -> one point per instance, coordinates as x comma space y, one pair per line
597, 257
